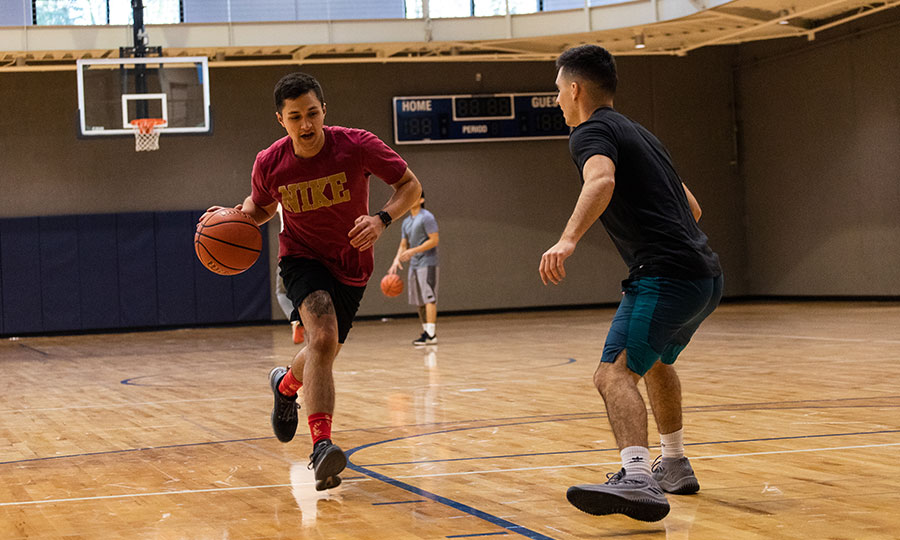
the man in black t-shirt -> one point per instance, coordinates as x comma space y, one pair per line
674, 283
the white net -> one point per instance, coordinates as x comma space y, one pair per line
146, 133
144, 142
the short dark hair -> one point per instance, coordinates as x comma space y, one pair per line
592, 63
294, 85
422, 196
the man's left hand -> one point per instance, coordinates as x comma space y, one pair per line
365, 232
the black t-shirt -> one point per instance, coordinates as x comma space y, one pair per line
648, 218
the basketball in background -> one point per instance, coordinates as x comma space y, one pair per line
391, 285
228, 242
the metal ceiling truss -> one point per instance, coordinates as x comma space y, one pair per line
729, 23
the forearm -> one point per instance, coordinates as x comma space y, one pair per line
400, 249
406, 192
260, 214
692, 202
592, 202
425, 246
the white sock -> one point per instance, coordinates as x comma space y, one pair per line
672, 444
636, 460
429, 328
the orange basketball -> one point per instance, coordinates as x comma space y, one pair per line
228, 242
391, 285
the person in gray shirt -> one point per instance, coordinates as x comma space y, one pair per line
418, 245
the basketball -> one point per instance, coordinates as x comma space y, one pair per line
391, 285
228, 242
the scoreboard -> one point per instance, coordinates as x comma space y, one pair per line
478, 118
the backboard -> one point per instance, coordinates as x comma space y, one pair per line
114, 91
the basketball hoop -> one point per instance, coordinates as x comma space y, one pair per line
146, 133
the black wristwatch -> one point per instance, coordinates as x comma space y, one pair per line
385, 217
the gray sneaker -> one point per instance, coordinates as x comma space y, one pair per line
638, 497
675, 475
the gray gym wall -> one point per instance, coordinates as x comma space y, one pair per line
820, 161
803, 200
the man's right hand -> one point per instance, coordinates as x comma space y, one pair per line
209, 211
394, 267
552, 268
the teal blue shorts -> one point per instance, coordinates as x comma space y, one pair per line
657, 318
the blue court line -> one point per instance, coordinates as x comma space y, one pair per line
490, 518
500, 522
394, 502
477, 534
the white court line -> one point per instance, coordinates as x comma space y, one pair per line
465, 473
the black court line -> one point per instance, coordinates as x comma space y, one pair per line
141, 449
532, 454
395, 502
483, 426
130, 381
32, 349
725, 407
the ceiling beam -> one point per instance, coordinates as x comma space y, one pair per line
770, 22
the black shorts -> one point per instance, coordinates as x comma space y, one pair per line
303, 277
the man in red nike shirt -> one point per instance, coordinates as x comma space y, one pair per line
320, 175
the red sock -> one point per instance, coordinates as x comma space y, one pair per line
289, 385
319, 426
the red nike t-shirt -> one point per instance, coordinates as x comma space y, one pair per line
322, 196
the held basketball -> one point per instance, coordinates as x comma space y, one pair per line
391, 285
228, 242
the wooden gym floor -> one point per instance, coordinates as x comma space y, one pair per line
792, 416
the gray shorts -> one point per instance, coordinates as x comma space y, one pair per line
423, 285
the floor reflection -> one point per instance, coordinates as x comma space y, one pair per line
303, 488
680, 520
431, 356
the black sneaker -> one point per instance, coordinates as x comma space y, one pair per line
638, 497
284, 412
425, 339
328, 460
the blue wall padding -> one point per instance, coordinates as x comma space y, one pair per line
215, 298
60, 281
20, 252
252, 298
135, 239
112, 271
98, 269
175, 259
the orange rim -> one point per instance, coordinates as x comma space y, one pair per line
147, 125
